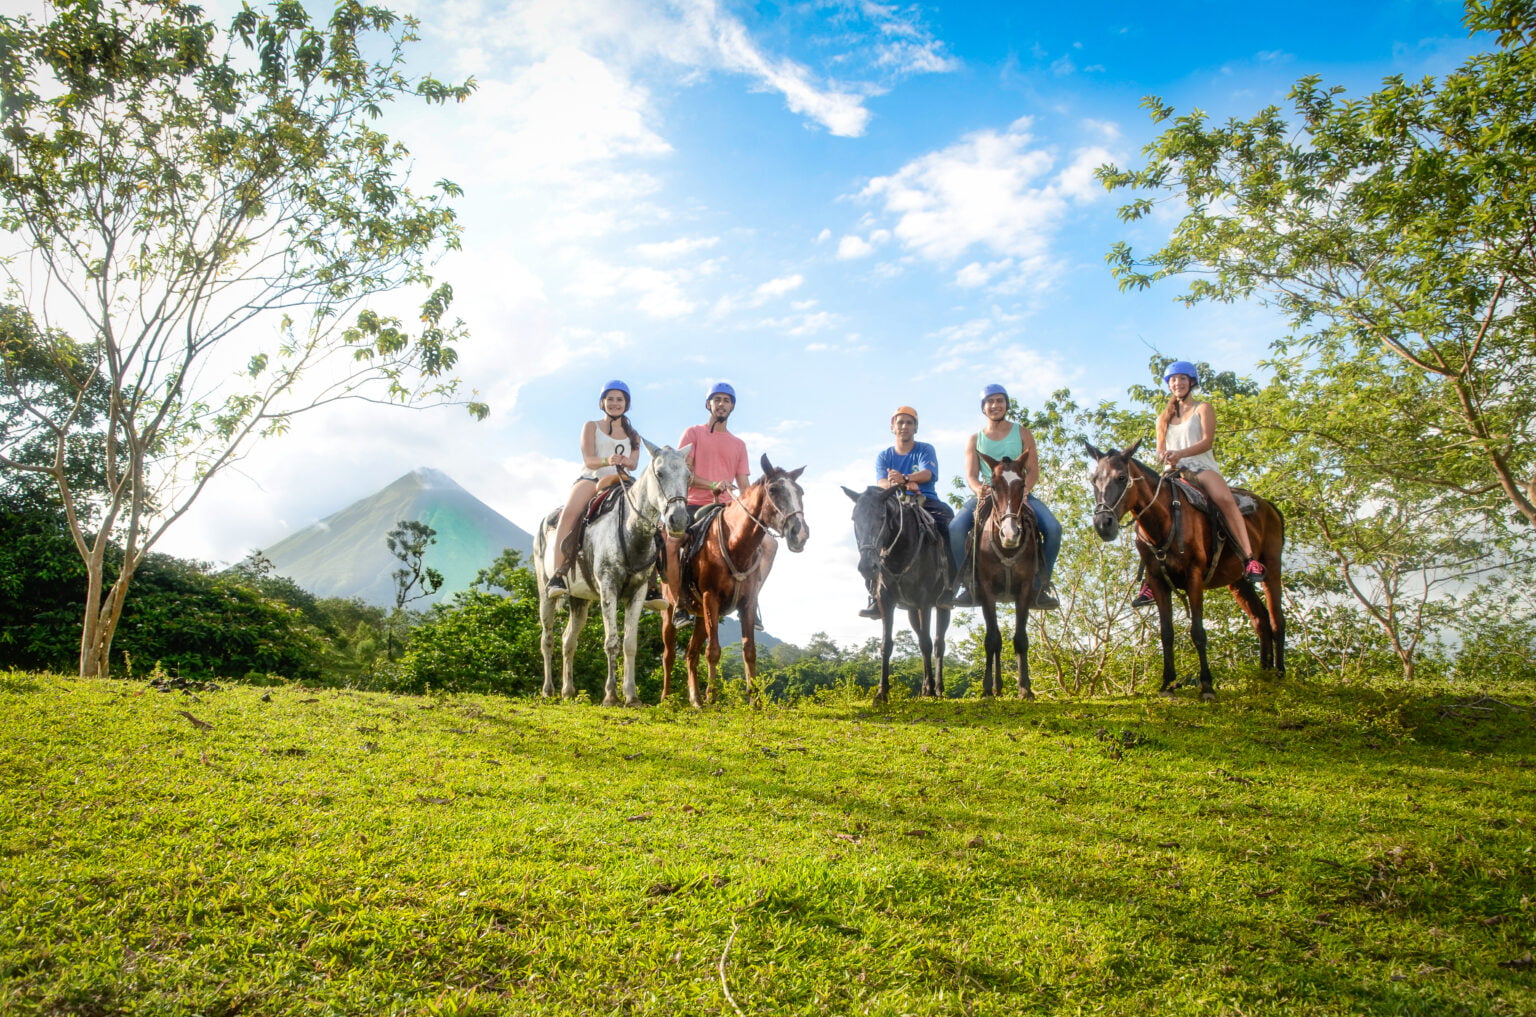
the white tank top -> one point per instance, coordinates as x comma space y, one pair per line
607, 446
1184, 433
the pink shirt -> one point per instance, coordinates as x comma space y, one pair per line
718, 456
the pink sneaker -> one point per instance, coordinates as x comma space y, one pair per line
1253, 571
1144, 598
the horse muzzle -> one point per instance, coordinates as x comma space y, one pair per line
677, 522
1105, 524
796, 536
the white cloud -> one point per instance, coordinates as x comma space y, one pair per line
995, 191
778, 287
669, 249
851, 247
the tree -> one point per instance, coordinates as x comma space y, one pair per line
414, 579
1401, 224
211, 214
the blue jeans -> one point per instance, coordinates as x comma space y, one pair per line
1050, 536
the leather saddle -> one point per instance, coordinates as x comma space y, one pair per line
601, 503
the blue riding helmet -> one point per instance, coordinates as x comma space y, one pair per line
721, 388
1185, 368
992, 390
615, 386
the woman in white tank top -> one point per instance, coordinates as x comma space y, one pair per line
606, 445
1186, 431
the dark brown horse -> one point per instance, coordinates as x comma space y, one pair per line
1181, 548
727, 571
1007, 555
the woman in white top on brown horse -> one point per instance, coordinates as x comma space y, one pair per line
606, 445
1186, 431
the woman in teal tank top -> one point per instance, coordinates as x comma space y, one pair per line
1001, 437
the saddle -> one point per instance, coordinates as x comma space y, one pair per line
601, 504
1247, 503
973, 540
693, 542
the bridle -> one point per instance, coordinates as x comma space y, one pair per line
996, 520
1132, 477
757, 556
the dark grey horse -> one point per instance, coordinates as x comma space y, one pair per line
904, 559
612, 566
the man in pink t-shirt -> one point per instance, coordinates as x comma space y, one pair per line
717, 465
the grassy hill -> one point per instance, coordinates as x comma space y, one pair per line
343, 555
1290, 850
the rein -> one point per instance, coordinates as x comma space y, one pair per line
757, 555
884, 552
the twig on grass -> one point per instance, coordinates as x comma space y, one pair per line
735, 924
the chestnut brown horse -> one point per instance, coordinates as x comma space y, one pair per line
1182, 549
734, 556
1007, 556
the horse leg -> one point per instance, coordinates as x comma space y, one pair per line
992, 675
1197, 634
711, 619
746, 613
695, 645
574, 623
1249, 601
668, 651
918, 618
632, 644
941, 627
608, 604
1021, 641
546, 629
1163, 595
887, 619
1276, 610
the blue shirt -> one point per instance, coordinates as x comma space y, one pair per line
922, 457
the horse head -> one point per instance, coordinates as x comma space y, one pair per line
1112, 478
1006, 489
872, 513
668, 473
787, 500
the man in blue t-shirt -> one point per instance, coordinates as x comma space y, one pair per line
914, 465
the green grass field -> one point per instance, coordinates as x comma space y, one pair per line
1287, 850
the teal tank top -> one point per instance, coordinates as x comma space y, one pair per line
1011, 446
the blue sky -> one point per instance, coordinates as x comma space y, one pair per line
838, 207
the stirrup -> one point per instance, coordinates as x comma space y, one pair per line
1253, 571
1144, 598
1045, 600
870, 610
963, 597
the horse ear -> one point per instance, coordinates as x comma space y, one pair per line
687, 449
852, 495
767, 466
795, 474
992, 464
1130, 453
652, 449
1092, 451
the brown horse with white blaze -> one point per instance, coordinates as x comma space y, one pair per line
1182, 548
1006, 558
727, 572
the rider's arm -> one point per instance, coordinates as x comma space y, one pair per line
589, 457
1031, 459
972, 467
631, 461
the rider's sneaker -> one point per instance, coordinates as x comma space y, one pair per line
1045, 600
1253, 571
681, 619
555, 587
870, 610
963, 597
1144, 598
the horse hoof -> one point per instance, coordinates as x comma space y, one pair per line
610, 700
1026, 694
1168, 694
1207, 697
633, 702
